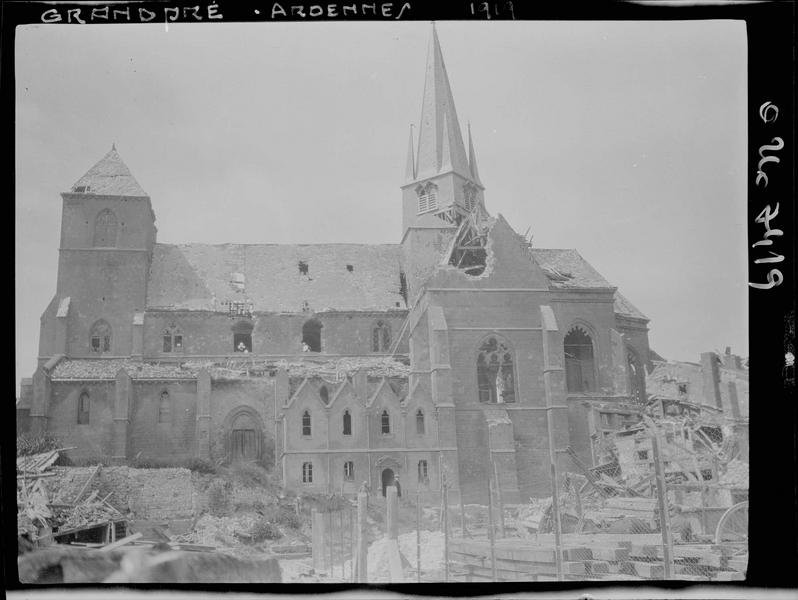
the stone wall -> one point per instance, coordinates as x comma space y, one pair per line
206, 333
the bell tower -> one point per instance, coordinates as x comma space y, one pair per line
107, 238
441, 179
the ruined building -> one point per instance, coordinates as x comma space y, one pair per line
353, 362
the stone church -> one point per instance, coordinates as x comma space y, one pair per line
448, 354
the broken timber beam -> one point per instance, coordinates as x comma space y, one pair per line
86, 485
122, 542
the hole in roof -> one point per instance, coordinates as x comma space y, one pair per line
303, 267
350, 268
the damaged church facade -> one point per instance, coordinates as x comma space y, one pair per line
441, 355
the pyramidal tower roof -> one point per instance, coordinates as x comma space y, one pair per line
109, 177
440, 141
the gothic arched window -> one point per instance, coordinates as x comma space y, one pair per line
311, 335
105, 226
420, 426
306, 428
324, 394
381, 337
347, 423
385, 422
637, 378
423, 472
164, 408
495, 372
84, 408
172, 339
580, 370
349, 471
100, 336
307, 472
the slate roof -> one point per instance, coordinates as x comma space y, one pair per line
566, 268
109, 177
204, 276
626, 308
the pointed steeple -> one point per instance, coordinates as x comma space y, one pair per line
440, 142
472, 158
410, 169
109, 177
446, 154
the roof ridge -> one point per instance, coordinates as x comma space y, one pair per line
273, 244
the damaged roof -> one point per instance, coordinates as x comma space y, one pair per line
566, 268
109, 177
626, 308
88, 369
205, 276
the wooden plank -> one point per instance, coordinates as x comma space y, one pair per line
609, 553
122, 542
79, 529
704, 555
638, 504
728, 576
502, 575
519, 552
646, 551
36, 475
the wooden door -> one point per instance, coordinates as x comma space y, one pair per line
244, 444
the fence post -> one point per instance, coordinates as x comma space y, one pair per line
317, 534
462, 512
490, 530
341, 539
331, 538
445, 532
362, 547
392, 507
418, 535
499, 500
662, 502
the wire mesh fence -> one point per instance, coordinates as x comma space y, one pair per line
650, 510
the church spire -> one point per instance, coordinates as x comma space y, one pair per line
410, 169
440, 142
472, 158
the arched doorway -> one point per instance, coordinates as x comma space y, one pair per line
388, 478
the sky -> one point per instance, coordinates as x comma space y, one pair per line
625, 140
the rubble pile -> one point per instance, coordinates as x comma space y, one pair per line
46, 509
107, 369
92, 510
231, 368
219, 531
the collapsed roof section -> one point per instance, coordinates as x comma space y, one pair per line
469, 248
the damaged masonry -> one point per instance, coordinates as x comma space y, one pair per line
312, 412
